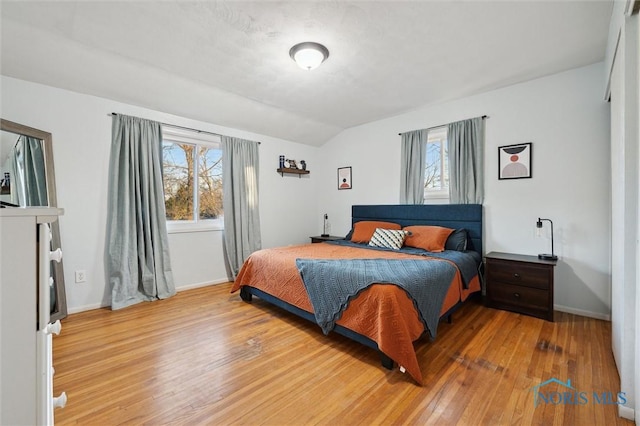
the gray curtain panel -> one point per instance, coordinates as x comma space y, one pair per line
29, 186
412, 164
15, 170
138, 263
466, 161
240, 188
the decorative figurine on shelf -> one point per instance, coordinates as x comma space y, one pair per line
5, 184
303, 164
292, 164
282, 161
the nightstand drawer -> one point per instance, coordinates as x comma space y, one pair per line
519, 296
519, 273
520, 283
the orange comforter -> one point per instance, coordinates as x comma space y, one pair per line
383, 313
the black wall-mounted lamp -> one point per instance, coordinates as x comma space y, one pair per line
324, 227
545, 256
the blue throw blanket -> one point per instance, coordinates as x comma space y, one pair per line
331, 284
466, 261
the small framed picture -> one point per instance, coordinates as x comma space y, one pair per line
344, 178
514, 161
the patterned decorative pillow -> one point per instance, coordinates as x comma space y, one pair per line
389, 238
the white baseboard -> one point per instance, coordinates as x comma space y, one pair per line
86, 308
626, 412
181, 288
204, 284
583, 313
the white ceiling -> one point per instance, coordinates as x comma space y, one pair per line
227, 62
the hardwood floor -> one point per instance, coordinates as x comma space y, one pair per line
206, 357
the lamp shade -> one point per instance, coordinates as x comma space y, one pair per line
309, 55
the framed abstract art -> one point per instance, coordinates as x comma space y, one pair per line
344, 178
514, 161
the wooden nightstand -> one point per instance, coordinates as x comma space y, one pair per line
520, 283
320, 239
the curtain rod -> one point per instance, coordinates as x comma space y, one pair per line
184, 128
442, 125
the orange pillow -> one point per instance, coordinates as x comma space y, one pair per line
363, 230
430, 238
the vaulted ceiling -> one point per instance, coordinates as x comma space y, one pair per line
227, 62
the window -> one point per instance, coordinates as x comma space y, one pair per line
192, 175
436, 170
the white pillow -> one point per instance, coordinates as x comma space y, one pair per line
389, 238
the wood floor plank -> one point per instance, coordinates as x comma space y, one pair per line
206, 357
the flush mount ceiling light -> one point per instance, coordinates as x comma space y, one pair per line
309, 55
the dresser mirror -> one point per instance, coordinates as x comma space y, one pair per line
27, 179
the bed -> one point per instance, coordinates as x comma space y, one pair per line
388, 318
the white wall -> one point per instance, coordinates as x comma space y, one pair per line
563, 115
567, 121
81, 130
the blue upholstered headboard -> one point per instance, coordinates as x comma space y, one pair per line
455, 216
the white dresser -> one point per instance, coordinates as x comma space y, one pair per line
26, 371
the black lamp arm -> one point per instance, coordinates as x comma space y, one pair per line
539, 225
324, 226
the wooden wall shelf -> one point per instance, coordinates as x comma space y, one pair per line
298, 172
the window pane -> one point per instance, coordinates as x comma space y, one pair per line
445, 165
177, 168
436, 172
210, 183
432, 170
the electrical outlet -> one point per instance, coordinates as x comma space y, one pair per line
81, 276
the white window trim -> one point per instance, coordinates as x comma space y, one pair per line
206, 225
436, 195
192, 137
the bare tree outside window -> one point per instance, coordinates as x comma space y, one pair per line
436, 171
433, 167
210, 183
180, 179
177, 168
